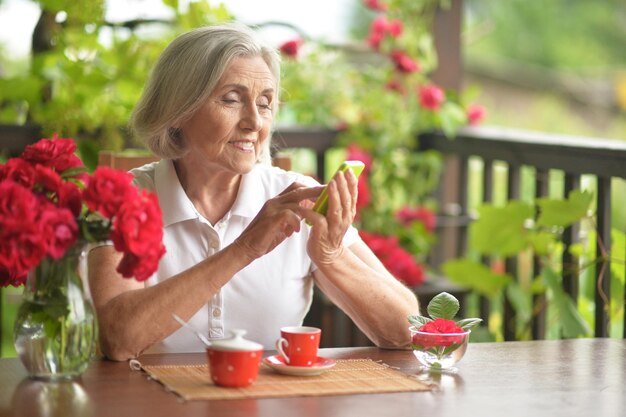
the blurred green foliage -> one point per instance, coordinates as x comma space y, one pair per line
562, 34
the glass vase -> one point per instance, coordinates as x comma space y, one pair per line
55, 328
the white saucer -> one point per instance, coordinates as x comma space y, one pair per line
277, 363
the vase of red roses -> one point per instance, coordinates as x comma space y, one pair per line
438, 341
50, 211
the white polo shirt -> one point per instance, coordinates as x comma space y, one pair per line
273, 291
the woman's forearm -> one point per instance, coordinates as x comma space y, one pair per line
377, 302
132, 320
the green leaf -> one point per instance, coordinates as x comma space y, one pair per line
542, 242
467, 324
500, 230
444, 306
572, 323
562, 213
418, 321
475, 276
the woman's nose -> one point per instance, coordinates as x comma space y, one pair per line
251, 119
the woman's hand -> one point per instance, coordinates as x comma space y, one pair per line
278, 219
325, 243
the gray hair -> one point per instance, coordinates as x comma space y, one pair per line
184, 77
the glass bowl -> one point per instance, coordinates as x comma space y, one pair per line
438, 351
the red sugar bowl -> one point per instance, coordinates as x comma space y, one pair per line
234, 362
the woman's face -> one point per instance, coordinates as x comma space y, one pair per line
232, 125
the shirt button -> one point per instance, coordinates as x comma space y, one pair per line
215, 244
217, 312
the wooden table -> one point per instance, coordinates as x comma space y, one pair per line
583, 377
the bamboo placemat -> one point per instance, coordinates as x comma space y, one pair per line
349, 376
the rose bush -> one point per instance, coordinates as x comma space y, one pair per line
379, 105
49, 204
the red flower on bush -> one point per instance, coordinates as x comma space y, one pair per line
380, 27
403, 62
397, 260
43, 214
475, 114
377, 5
407, 215
431, 97
291, 48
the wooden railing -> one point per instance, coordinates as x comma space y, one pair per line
599, 160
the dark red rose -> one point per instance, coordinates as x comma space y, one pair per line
56, 153
403, 62
17, 203
400, 263
439, 332
47, 179
431, 97
107, 190
60, 229
70, 197
407, 215
291, 48
138, 232
22, 245
20, 171
20, 250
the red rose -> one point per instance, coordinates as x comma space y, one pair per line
475, 114
21, 242
400, 263
18, 170
407, 215
377, 5
440, 325
60, 230
431, 97
447, 333
138, 232
55, 153
291, 48
403, 62
374, 39
395, 28
378, 29
404, 267
47, 179
69, 196
107, 190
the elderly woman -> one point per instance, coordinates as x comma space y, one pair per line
239, 254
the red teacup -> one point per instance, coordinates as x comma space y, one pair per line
299, 345
234, 362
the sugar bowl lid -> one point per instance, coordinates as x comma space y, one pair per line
236, 343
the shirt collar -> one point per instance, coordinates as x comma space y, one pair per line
175, 204
177, 207
249, 199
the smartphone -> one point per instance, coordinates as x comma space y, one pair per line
321, 204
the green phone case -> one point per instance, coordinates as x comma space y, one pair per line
321, 204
